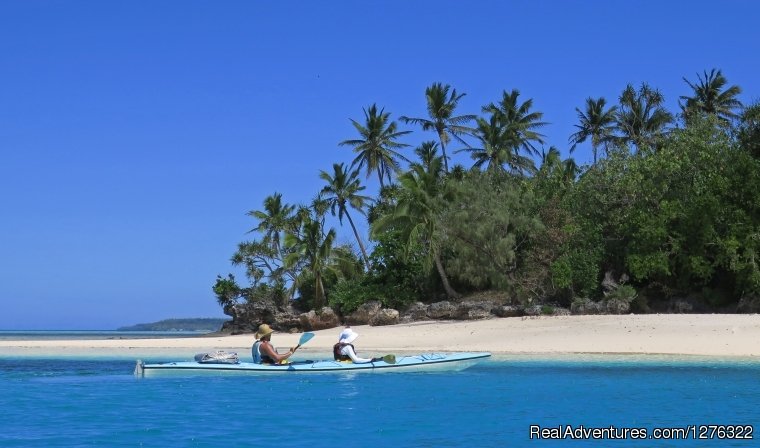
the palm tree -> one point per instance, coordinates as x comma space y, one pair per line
710, 97
551, 159
641, 118
342, 190
312, 248
496, 148
518, 123
440, 106
427, 152
415, 214
749, 129
553, 167
265, 258
596, 122
376, 149
275, 219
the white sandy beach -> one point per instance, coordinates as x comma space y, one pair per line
685, 334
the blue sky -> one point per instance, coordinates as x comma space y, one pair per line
135, 135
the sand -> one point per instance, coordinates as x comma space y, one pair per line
726, 335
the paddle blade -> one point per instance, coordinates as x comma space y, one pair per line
390, 359
306, 337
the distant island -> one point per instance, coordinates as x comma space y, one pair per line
194, 324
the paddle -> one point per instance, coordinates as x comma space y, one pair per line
389, 359
306, 337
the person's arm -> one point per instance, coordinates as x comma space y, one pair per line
272, 353
347, 350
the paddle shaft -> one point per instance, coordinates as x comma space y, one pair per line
306, 337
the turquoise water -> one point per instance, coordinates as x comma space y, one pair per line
37, 335
98, 402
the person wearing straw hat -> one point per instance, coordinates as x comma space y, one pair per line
263, 351
344, 350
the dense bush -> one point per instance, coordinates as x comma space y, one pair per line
488, 227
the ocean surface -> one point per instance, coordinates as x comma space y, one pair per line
48, 402
37, 335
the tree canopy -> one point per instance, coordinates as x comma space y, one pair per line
670, 203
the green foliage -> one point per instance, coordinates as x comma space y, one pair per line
562, 273
414, 214
312, 248
227, 290
596, 123
577, 270
641, 119
488, 225
586, 270
347, 296
340, 193
377, 145
683, 217
440, 106
710, 98
400, 275
679, 215
749, 129
307, 291
626, 293
275, 292
344, 266
401, 265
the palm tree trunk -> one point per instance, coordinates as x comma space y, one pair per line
446, 286
595, 146
291, 272
445, 158
358, 240
319, 291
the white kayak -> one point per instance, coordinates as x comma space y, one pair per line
422, 362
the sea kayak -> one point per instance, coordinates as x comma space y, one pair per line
422, 362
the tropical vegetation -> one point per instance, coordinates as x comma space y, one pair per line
669, 204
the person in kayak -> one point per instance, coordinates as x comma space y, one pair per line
263, 351
344, 350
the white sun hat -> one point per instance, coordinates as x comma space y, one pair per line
347, 336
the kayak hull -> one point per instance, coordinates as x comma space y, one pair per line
416, 363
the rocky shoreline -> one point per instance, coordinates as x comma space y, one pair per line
246, 317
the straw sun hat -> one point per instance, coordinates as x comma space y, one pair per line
347, 336
264, 330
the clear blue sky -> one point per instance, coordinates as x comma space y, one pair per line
135, 135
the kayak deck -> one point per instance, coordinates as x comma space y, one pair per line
421, 362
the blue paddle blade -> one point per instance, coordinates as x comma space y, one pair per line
306, 337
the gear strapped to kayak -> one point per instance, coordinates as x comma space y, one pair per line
217, 357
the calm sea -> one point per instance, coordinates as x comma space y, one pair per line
98, 402
36, 335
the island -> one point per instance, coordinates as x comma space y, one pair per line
191, 324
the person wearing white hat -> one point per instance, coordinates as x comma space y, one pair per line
344, 350
263, 351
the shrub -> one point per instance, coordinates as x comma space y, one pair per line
624, 293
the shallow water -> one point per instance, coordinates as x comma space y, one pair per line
98, 402
47, 335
